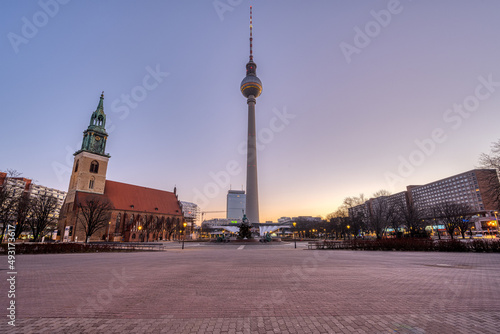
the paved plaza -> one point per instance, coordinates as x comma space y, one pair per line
230, 288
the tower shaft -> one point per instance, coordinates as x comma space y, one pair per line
252, 196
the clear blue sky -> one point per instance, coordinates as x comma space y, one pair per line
356, 113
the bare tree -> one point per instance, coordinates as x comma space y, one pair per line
169, 227
465, 222
94, 215
380, 216
155, 227
43, 210
338, 222
381, 213
492, 161
147, 226
410, 215
454, 216
5, 208
382, 193
357, 218
396, 223
23, 209
13, 173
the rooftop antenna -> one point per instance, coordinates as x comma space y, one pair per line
251, 36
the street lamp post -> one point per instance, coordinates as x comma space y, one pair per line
109, 226
498, 227
184, 237
348, 232
294, 239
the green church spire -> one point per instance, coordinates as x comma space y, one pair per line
100, 105
95, 137
98, 119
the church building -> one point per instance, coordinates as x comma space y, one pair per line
137, 214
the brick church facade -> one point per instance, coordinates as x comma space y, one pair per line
138, 213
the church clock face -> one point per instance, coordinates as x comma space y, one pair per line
97, 138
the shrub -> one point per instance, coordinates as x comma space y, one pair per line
52, 248
479, 245
451, 246
416, 245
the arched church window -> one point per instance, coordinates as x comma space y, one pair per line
94, 167
91, 183
76, 165
99, 120
117, 225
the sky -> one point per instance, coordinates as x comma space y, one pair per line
357, 96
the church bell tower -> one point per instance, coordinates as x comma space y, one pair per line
91, 161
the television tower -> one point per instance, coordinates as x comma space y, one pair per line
251, 87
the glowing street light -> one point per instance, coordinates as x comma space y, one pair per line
496, 218
185, 224
109, 227
294, 239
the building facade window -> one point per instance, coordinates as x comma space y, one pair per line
94, 167
117, 225
91, 183
76, 165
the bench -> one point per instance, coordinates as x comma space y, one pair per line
315, 245
328, 244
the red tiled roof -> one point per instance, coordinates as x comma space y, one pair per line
123, 196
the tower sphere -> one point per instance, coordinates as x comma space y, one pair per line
251, 85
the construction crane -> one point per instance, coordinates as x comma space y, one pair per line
203, 213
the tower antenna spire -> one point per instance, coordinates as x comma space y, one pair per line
251, 36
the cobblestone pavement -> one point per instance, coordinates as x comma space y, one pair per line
255, 289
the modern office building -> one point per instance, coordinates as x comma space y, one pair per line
191, 211
236, 202
18, 186
38, 190
284, 220
471, 188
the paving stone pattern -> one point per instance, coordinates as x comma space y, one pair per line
257, 289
